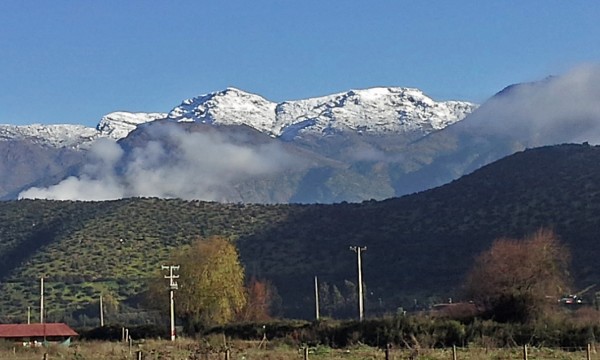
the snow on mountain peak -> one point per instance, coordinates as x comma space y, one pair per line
228, 107
115, 126
119, 124
373, 110
65, 135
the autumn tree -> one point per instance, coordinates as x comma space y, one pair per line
519, 280
211, 283
261, 295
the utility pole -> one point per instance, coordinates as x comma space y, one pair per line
42, 300
172, 288
317, 298
101, 312
358, 250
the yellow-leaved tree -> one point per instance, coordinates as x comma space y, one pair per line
211, 283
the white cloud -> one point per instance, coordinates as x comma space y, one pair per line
174, 163
557, 110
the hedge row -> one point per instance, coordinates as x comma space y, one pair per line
398, 331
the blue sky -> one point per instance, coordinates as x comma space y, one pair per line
74, 61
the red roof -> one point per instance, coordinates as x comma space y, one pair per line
35, 330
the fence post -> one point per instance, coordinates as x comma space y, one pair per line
525, 352
138, 355
589, 351
45, 356
227, 354
306, 353
453, 352
387, 351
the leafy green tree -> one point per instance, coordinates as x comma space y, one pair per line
211, 283
520, 280
338, 302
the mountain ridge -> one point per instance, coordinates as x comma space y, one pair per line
417, 112
374, 110
346, 138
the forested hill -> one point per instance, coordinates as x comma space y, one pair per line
418, 246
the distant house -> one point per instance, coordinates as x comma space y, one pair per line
37, 334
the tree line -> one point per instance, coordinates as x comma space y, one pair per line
515, 281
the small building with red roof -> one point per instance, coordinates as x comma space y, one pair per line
37, 334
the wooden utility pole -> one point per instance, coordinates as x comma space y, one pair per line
172, 288
358, 250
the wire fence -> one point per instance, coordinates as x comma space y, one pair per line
191, 350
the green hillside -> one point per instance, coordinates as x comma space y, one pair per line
85, 248
419, 246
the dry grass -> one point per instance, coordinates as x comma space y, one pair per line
203, 350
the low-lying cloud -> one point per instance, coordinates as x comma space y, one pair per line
556, 110
172, 164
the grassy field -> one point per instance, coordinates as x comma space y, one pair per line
202, 350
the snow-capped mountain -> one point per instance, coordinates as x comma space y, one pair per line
228, 107
340, 147
66, 135
116, 125
375, 110
363, 144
